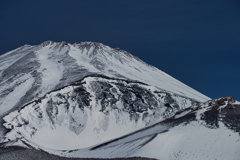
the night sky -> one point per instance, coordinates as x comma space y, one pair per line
195, 41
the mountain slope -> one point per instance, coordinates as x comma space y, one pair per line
91, 111
208, 130
31, 71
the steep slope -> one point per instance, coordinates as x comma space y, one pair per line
208, 130
32, 71
91, 111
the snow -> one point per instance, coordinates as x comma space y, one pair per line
182, 114
186, 142
81, 58
11, 57
56, 68
11, 99
163, 141
237, 102
84, 128
193, 141
51, 71
111, 62
182, 142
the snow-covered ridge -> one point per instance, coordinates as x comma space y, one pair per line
91, 111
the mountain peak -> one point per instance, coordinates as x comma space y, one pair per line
46, 43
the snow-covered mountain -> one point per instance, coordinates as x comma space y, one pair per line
32, 71
76, 100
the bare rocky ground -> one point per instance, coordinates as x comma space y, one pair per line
19, 153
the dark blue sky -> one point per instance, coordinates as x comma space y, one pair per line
195, 41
